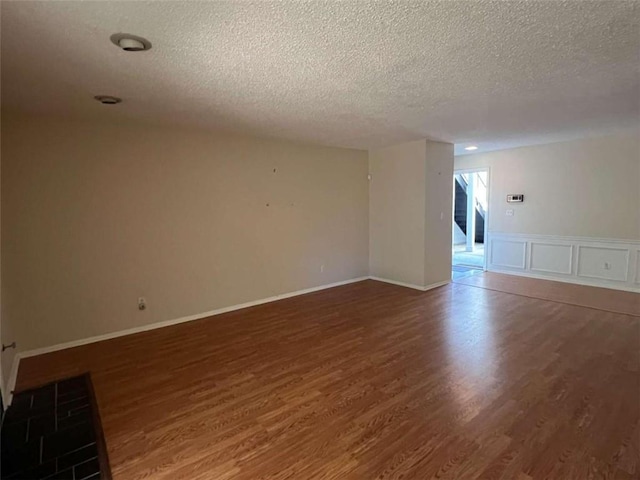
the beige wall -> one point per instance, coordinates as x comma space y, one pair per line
439, 205
6, 329
96, 215
397, 197
584, 188
410, 212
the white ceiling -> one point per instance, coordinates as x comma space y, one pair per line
355, 73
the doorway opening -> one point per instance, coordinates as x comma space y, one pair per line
470, 221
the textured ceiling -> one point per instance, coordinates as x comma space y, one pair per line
355, 73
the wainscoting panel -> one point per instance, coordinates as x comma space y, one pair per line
605, 263
508, 253
551, 258
609, 263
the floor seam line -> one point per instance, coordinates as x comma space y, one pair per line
548, 300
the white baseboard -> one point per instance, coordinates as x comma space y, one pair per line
189, 318
152, 326
395, 282
411, 285
8, 393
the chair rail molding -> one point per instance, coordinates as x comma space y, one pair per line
601, 262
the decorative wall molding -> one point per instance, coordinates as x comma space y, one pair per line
591, 259
551, 258
509, 253
609, 263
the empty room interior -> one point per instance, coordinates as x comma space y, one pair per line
320, 240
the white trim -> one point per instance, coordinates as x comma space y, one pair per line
395, 282
617, 249
487, 213
189, 318
152, 326
410, 285
522, 265
628, 272
436, 285
546, 244
564, 238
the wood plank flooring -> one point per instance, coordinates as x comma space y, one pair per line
371, 381
627, 303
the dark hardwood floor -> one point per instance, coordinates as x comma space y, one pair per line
627, 303
370, 381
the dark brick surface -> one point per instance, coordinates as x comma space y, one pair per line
49, 433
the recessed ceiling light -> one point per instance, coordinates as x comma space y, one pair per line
130, 43
107, 99
471, 148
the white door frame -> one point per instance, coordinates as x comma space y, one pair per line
487, 213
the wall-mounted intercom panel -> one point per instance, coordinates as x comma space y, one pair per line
515, 198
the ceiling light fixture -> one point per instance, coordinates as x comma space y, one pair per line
107, 99
471, 148
130, 43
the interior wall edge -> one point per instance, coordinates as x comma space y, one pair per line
4, 390
11, 384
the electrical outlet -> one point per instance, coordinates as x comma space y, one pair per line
321, 268
142, 303
607, 265
510, 212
